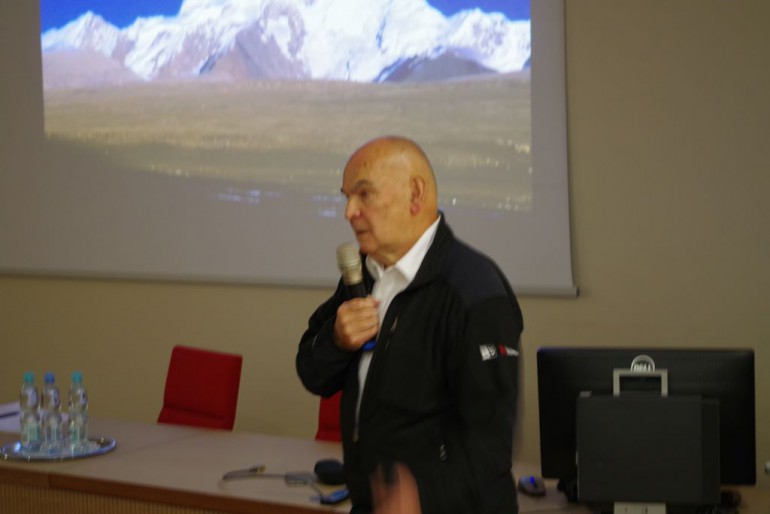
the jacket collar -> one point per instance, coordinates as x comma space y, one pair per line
430, 265
432, 261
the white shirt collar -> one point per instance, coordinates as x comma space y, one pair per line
409, 264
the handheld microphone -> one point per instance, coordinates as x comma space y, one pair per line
349, 263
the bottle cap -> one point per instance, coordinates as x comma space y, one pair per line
77, 376
50, 378
29, 376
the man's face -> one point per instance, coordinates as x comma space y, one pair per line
378, 207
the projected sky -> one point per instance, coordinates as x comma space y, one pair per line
55, 13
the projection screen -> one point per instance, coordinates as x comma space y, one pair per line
207, 143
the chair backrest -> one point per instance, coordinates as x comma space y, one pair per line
329, 419
201, 388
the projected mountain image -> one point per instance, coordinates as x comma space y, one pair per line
279, 92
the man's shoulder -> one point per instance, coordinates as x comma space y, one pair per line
471, 273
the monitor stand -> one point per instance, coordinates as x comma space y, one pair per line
639, 508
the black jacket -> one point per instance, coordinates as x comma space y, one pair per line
441, 391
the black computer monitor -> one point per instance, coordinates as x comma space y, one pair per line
726, 375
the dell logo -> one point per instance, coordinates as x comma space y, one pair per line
642, 363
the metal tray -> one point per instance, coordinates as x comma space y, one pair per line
96, 446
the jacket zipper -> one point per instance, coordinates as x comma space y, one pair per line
391, 330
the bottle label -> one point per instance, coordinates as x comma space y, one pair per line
30, 435
30, 397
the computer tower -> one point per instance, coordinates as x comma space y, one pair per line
648, 449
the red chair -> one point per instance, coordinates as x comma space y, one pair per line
329, 419
201, 388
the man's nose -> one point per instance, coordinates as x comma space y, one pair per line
351, 210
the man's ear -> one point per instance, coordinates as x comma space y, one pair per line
417, 194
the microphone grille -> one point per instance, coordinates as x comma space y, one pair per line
349, 263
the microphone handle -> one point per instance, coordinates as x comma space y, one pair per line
357, 290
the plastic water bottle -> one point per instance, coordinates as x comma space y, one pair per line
78, 414
51, 418
30, 418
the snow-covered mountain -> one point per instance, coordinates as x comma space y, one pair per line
377, 40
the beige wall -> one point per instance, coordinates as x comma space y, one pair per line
669, 117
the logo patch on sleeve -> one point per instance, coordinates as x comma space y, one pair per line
507, 351
488, 352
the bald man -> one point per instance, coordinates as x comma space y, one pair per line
437, 393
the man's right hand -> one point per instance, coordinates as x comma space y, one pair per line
394, 490
357, 322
